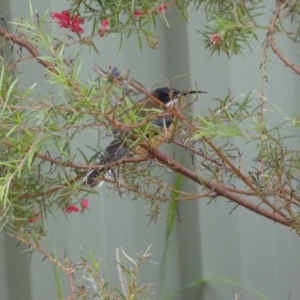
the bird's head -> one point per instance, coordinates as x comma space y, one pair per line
165, 94
169, 95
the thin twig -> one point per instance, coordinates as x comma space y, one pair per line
270, 38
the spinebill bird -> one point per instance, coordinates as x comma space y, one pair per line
119, 147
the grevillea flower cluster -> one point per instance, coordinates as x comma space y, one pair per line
85, 203
34, 219
74, 22
216, 39
104, 26
159, 9
65, 20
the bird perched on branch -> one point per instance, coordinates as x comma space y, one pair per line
161, 99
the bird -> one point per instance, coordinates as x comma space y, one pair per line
120, 147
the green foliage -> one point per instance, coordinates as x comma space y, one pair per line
235, 22
41, 171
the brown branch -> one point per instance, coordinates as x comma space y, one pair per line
35, 54
195, 151
237, 191
217, 188
275, 215
39, 248
244, 178
77, 166
30, 47
270, 39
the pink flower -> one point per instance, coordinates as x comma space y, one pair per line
216, 39
76, 21
85, 203
65, 20
34, 219
162, 8
137, 14
71, 208
104, 26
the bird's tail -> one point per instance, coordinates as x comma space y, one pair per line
93, 177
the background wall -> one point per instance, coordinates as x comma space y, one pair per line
208, 243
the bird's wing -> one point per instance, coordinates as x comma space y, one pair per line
118, 149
